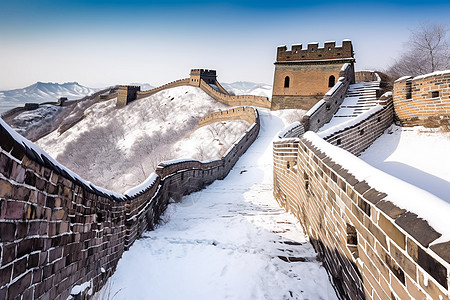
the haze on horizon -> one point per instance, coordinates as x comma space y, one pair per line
100, 43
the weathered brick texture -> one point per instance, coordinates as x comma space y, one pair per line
423, 100
371, 248
57, 231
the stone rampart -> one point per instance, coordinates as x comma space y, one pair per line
423, 100
58, 231
176, 83
245, 113
372, 247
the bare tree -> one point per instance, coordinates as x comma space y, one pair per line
427, 50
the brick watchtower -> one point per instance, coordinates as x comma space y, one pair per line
303, 76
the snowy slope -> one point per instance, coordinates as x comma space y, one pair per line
248, 88
118, 148
42, 92
228, 241
415, 155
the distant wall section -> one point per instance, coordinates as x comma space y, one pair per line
423, 100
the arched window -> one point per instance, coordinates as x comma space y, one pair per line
331, 81
286, 81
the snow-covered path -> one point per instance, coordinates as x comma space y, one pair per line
228, 241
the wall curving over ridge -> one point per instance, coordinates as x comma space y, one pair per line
58, 231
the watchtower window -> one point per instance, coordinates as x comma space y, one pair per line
435, 94
286, 81
331, 81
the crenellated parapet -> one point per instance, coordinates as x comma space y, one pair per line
315, 52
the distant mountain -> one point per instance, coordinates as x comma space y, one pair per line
43, 92
249, 88
144, 86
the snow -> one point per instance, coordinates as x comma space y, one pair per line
402, 78
407, 196
225, 242
437, 73
289, 129
115, 148
142, 187
336, 124
210, 141
28, 120
416, 155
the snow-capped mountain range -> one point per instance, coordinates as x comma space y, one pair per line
50, 92
43, 92
248, 88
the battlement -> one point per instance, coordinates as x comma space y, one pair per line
209, 76
314, 52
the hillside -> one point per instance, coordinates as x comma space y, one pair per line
43, 92
119, 148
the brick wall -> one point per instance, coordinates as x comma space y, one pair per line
423, 100
237, 113
371, 248
58, 231
324, 110
358, 137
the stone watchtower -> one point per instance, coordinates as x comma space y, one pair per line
209, 76
303, 76
126, 94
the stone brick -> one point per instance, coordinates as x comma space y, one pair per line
374, 196
442, 250
417, 228
5, 274
430, 287
6, 189
19, 267
399, 288
9, 253
414, 290
391, 264
404, 262
392, 231
24, 247
432, 267
19, 286
7, 231
378, 234
390, 209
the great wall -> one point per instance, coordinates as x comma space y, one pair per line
59, 231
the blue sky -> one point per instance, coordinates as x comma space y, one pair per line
100, 43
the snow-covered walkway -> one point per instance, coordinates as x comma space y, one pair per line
228, 241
